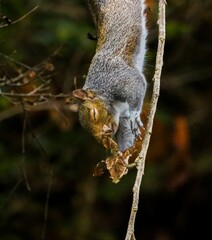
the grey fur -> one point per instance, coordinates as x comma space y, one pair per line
115, 73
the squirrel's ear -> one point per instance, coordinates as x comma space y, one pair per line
74, 107
83, 95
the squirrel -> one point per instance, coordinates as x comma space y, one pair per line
111, 100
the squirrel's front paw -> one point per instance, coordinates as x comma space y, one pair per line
136, 124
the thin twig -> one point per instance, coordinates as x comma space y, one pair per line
30, 94
156, 90
46, 209
19, 19
15, 61
17, 109
11, 193
37, 72
24, 148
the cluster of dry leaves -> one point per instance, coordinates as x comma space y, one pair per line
119, 162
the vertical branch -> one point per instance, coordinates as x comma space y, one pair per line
153, 106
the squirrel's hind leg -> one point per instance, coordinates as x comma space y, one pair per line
136, 123
124, 135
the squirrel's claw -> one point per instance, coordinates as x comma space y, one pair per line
136, 124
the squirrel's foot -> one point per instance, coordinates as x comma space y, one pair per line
136, 124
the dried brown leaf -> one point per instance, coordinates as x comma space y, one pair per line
116, 167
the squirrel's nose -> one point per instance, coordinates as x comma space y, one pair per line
106, 129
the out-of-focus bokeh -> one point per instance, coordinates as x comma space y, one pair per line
47, 159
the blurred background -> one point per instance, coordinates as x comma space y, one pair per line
47, 159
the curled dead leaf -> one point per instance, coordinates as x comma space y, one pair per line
116, 167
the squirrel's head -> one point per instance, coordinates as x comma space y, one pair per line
93, 114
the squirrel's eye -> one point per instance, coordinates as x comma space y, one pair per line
94, 114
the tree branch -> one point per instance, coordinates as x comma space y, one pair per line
8, 21
30, 84
153, 106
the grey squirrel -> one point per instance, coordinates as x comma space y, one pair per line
111, 99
